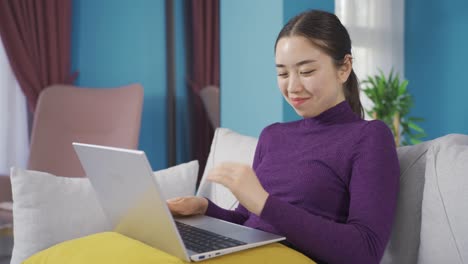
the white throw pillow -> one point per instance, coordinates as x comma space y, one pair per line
180, 180
444, 225
231, 146
48, 209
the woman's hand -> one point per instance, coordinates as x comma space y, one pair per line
189, 205
243, 183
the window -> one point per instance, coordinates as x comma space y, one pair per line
14, 143
376, 28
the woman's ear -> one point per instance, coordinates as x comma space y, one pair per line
346, 68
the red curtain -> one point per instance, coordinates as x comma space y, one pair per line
37, 35
203, 28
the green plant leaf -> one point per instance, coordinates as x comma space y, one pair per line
415, 141
390, 96
416, 119
402, 88
415, 127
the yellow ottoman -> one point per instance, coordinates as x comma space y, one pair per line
111, 247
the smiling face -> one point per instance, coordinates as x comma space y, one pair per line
307, 77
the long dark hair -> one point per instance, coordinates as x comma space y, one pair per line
325, 31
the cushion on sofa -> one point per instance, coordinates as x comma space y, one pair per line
110, 247
404, 240
48, 209
227, 145
444, 228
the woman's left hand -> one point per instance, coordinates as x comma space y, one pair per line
243, 183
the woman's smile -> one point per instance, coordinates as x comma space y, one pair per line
297, 101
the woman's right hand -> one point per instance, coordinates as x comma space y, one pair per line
189, 205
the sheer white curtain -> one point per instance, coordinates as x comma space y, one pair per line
14, 143
376, 28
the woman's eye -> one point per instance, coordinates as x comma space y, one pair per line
284, 74
307, 72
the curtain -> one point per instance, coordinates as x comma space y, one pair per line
14, 143
203, 47
376, 28
36, 36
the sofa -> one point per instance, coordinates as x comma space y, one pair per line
431, 223
430, 226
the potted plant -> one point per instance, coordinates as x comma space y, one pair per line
392, 104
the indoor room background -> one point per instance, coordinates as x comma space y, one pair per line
117, 42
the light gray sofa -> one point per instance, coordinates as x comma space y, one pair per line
417, 215
431, 224
415, 237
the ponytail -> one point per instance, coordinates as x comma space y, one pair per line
351, 91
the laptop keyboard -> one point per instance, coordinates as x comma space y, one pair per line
199, 240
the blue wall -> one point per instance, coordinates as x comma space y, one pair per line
436, 41
118, 42
250, 99
292, 8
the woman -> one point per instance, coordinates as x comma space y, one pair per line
327, 182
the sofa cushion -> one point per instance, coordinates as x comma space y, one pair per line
48, 209
403, 246
404, 240
444, 228
227, 145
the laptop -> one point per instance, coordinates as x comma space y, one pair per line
130, 197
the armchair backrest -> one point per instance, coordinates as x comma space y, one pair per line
67, 114
210, 99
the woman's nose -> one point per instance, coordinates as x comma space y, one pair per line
294, 85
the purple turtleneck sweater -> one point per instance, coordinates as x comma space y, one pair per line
332, 182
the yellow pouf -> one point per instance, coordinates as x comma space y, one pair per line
111, 247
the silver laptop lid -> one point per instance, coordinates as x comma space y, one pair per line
124, 184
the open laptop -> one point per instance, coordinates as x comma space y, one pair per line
130, 197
